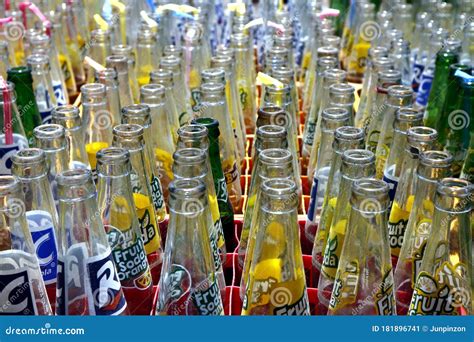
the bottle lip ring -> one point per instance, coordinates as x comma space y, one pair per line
342, 88
188, 188
19, 71
270, 111
93, 89
49, 132
421, 134
335, 114
151, 89
456, 187
74, 177
334, 74
370, 188
438, 159
66, 112
112, 155
408, 114
277, 187
37, 59
271, 131
29, 156
358, 156
193, 131
139, 110
400, 91
349, 133
212, 87
9, 185
128, 130
106, 74
327, 61
189, 156
275, 156
213, 72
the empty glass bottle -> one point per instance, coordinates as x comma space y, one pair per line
19, 265
443, 284
120, 64
117, 212
88, 281
68, 117
99, 49
434, 166
188, 285
147, 59
4, 59
364, 280
128, 52
276, 282
108, 77
29, 165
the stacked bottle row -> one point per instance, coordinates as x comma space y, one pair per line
153, 148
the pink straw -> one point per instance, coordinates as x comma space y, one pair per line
7, 113
7, 5
35, 10
6, 20
23, 6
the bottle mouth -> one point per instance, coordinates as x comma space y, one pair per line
334, 75
400, 91
188, 156
191, 189
117, 61
275, 156
74, 177
349, 133
358, 156
106, 74
271, 131
49, 132
456, 187
137, 114
370, 195
212, 87
271, 111
93, 89
421, 134
335, 114
211, 124
128, 131
278, 187
327, 62
28, 157
20, 70
408, 115
192, 131
341, 89
66, 112
113, 155
152, 89
37, 59
439, 159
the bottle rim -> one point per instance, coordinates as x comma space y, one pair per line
349, 133
438, 159
37, 59
277, 187
189, 156
421, 134
29, 156
188, 188
370, 188
74, 177
456, 187
128, 130
193, 131
335, 114
48, 132
271, 131
93, 89
358, 156
275, 156
113, 155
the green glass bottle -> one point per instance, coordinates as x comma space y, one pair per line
468, 106
444, 58
25, 99
223, 200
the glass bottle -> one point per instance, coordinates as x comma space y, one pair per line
147, 60
245, 81
345, 138
130, 137
398, 96
43, 85
405, 118
140, 115
276, 282
127, 52
188, 285
341, 95
163, 136
364, 279
97, 121
29, 165
4, 59
173, 64
18, 261
115, 202
434, 166
400, 54
190, 163
332, 118
223, 199
373, 126
108, 77
419, 139
25, 99
443, 284
213, 105
99, 49
88, 281
120, 64
68, 117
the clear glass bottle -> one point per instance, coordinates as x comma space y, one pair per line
99, 49
127, 51
130, 137
147, 60
213, 105
29, 166
4, 59
400, 53
188, 285
117, 212
68, 116
398, 96
434, 166
332, 118
88, 281
443, 285
108, 77
345, 138
190, 163
120, 64
419, 139
276, 282
364, 279
18, 261
140, 115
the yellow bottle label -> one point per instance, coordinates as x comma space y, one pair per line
231, 172
346, 286
397, 224
321, 234
92, 150
146, 218
333, 249
216, 218
306, 60
166, 161
144, 75
360, 51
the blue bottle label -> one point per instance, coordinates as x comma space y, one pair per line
16, 293
313, 200
417, 72
44, 238
59, 94
392, 182
7, 151
424, 89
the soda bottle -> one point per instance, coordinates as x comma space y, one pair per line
131, 137
398, 96
88, 281
99, 49
190, 163
147, 59
287, 76
245, 79
217, 75
419, 139
267, 137
276, 282
345, 138
29, 165
332, 118
420, 45
434, 166
188, 285
405, 118
400, 53
364, 279
173, 64
43, 85
223, 199
20, 275
356, 164
68, 117
121, 225
444, 278
213, 105
403, 20
25, 99
108, 77
162, 140
127, 51
120, 64
97, 121
467, 105
374, 124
